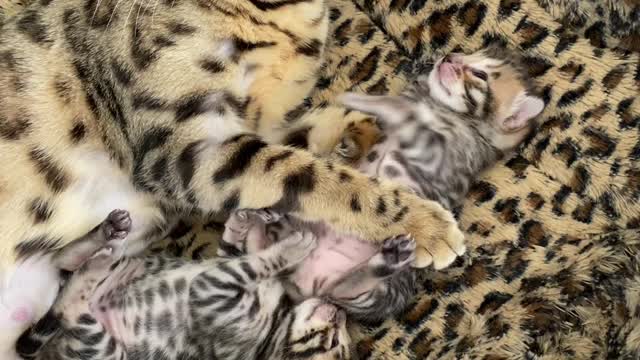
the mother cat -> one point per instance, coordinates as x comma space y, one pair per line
157, 107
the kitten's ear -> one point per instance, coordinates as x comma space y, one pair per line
389, 109
528, 107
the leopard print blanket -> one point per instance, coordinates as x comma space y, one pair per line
553, 267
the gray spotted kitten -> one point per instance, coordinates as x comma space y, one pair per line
451, 124
439, 134
156, 308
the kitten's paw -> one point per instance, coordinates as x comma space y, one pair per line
439, 240
396, 254
297, 246
267, 216
236, 229
117, 225
398, 251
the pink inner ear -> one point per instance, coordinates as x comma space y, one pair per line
530, 107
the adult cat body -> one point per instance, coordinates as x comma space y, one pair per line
156, 109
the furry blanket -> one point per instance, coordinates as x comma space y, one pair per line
553, 267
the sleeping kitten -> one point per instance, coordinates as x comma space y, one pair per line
343, 268
451, 124
445, 129
155, 308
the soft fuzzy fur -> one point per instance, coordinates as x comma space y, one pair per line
553, 269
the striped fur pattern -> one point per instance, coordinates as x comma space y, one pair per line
158, 108
116, 308
370, 283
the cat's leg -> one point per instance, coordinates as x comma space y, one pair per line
228, 283
245, 232
31, 343
92, 289
390, 110
220, 168
35, 283
384, 286
268, 262
114, 228
282, 255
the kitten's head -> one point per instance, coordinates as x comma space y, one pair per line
317, 331
490, 85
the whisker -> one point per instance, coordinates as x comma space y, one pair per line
126, 20
113, 12
135, 27
153, 12
146, 6
95, 11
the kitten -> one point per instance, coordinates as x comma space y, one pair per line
451, 124
439, 134
370, 283
153, 308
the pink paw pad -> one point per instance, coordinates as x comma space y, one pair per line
22, 315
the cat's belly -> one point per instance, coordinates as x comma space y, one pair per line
335, 256
100, 188
97, 186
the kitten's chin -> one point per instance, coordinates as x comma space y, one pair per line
444, 92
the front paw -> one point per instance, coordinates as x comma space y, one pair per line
397, 253
439, 240
267, 216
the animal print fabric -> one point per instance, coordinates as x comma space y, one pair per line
606, 23
553, 266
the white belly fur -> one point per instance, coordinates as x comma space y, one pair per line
99, 187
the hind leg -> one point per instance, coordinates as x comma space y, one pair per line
115, 227
90, 289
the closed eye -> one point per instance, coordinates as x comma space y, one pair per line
479, 74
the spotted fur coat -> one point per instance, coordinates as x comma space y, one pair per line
553, 266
